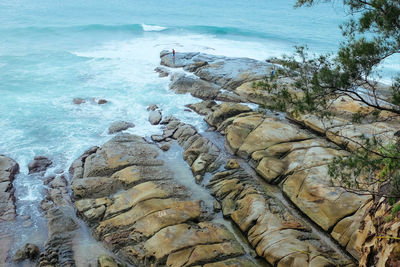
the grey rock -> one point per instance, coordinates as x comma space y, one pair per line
39, 164
155, 117
119, 126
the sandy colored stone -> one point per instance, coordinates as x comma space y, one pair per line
311, 191
204, 253
178, 237
224, 111
140, 211
240, 128
121, 151
270, 132
270, 168
134, 195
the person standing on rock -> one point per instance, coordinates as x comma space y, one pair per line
173, 52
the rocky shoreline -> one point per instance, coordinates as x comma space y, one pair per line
269, 177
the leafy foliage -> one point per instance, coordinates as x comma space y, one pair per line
372, 35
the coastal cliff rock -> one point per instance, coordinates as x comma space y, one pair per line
138, 209
8, 169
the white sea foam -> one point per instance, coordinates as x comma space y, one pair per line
153, 28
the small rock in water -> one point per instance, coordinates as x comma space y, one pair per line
106, 261
78, 100
119, 126
211, 129
155, 117
102, 101
152, 107
28, 251
187, 110
165, 147
232, 164
199, 179
162, 72
217, 206
39, 164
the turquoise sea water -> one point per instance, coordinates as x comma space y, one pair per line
52, 51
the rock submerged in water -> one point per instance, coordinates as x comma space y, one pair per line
39, 164
119, 126
78, 100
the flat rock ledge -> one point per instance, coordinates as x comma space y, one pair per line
138, 209
274, 233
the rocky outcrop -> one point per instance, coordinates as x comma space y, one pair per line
283, 153
228, 73
39, 164
276, 235
61, 224
8, 169
138, 209
119, 126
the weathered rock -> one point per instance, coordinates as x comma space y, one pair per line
232, 164
311, 190
119, 126
28, 251
8, 169
136, 205
196, 87
224, 111
270, 132
223, 71
203, 108
155, 117
121, 151
39, 164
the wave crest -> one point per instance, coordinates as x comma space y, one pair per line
153, 28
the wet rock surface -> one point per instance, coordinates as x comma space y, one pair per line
39, 164
138, 209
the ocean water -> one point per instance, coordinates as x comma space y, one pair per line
53, 51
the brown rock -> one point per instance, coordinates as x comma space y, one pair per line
225, 111
39, 164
